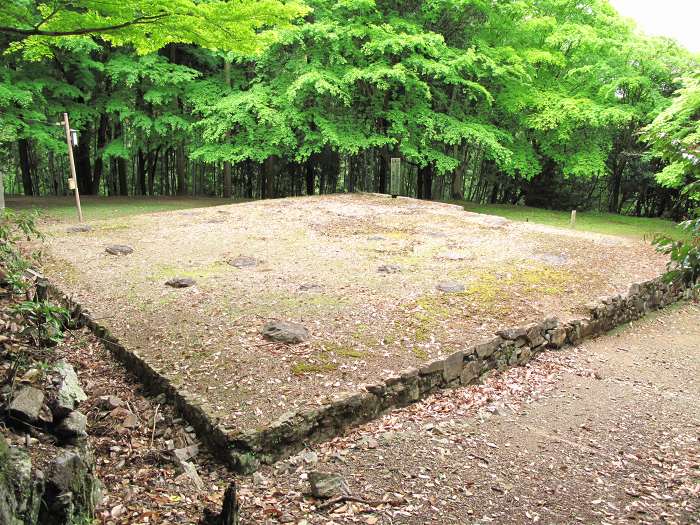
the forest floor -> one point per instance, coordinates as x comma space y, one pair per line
365, 324
606, 433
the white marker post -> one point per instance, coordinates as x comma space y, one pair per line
573, 218
71, 140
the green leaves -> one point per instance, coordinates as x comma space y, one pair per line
242, 27
675, 138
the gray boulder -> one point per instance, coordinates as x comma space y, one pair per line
26, 404
450, 287
328, 485
73, 426
119, 249
310, 287
69, 394
20, 489
80, 228
180, 282
243, 262
389, 268
285, 332
72, 489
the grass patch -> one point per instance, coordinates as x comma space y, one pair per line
97, 208
598, 222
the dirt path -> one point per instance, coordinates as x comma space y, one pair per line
603, 433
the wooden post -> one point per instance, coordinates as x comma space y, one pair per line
395, 177
72, 166
573, 218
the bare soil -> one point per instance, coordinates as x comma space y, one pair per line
364, 324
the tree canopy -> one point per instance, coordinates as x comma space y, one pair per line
538, 101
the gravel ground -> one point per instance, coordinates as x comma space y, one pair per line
603, 433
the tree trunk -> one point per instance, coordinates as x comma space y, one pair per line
180, 169
26, 167
270, 170
141, 173
83, 162
383, 171
614, 202
330, 170
310, 175
98, 167
425, 179
152, 164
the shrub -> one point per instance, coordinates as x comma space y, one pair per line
684, 265
15, 227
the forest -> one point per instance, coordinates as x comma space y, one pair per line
550, 103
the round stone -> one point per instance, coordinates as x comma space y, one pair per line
119, 249
243, 262
389, 268
450, 287
285, 332
180, 282
310, 287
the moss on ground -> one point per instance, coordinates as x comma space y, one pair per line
202, 272
301, 368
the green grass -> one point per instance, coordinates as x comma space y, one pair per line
607, 223
98, 208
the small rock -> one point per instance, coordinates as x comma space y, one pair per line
285, 332
259, 480
72, 473
73, 426
180, 282
26, 404
130, 421
309, 456
119, 249
450, 287
109, 402
372, 443
511, 334
310, 287
117, 511
189, 470
243, 262
286, 518
452, 256
186, 453
327, 485
389, 268
70, 394
558, 337
376, 238
80, 228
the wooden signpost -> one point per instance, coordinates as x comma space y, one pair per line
72, 140
395, 177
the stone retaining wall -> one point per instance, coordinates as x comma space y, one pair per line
245, 451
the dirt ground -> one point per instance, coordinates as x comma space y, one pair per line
603, 433
364, 323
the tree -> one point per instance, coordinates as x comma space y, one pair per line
675, 138
232, 25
